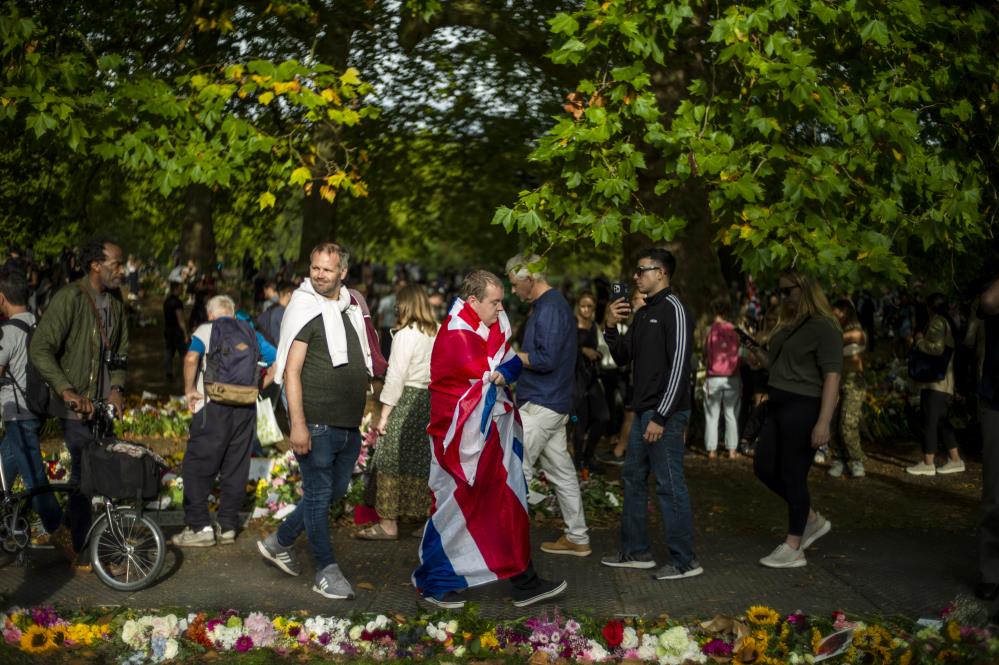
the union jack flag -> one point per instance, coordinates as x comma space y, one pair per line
479, 530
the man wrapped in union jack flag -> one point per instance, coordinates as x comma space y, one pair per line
479, 529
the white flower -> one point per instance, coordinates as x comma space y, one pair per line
612, 499
646, 652
355, 633
629, 640
459, 652
452, 627
131, 634
432, 631
371, 627
595, 651
172, 648
381, 621
572, 626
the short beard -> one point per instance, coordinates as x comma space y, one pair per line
331, 290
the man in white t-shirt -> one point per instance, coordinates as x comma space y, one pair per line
20, 451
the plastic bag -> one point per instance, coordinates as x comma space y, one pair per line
267, 425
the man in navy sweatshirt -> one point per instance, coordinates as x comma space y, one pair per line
658, 346
544, 396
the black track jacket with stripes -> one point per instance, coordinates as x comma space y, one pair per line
659, 347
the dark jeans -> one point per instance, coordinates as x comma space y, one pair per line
326, 473
988, 526
174, 346
219, 446
934, 405
78, 512
664, 459
784, 452
22, 455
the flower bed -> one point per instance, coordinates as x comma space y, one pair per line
760, 636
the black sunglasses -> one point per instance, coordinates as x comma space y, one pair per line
641, 270
787, 290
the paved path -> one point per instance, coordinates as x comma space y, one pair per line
867, 564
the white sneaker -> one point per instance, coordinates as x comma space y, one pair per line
950, 466
204, 537
784, 556
814, 530
923, 469
836, 469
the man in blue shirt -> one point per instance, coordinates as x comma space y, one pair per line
544, 396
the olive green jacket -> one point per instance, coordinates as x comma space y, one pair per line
66, 345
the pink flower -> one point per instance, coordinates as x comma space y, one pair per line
12, 635
244, 643
277, 482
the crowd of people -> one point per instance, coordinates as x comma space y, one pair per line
473, 406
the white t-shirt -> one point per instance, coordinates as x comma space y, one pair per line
14, 357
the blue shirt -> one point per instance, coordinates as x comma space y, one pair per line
550, 344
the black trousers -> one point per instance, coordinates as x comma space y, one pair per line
78, 512
936, 428
526, 581
784, 452
220, 443
988, 525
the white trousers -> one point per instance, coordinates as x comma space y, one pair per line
722, 394
545, 441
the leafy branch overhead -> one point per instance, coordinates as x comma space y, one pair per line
830, 136
235, 126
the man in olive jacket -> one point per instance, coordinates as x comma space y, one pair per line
79, 348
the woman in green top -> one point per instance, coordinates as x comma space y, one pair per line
935, 396
805, 359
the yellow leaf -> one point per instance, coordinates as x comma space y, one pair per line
327, 193
266, 98
300, 175
234, 72
291, 86
260, 80
266, 200
351, 77
862, 255
359, 189
199, 81
745, 231
4, 101
335, 179
330, 95
225, 25
898, 155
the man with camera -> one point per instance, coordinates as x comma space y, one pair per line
80, 347
658, 345
544, 396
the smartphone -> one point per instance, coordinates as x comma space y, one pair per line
619, 290
747, 339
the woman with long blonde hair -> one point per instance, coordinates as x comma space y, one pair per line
402, 456
805, 359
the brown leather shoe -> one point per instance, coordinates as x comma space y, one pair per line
565, 546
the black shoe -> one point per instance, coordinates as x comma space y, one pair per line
542, 591
608, 457
447, 601
987, 590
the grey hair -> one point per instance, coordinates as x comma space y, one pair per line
221, 305
520, 267
332, 248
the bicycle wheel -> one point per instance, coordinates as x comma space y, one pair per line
128, 552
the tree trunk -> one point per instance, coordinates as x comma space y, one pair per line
197, 240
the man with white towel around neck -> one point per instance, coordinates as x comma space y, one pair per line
325, 364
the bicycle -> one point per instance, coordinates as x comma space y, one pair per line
127, 549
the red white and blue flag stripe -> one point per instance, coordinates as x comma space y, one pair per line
479, 530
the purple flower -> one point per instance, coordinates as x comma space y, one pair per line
717, 647
244, 643
324, 639
45, 617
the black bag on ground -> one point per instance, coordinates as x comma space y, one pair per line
36, 393
120, 470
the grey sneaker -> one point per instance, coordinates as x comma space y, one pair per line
921, 469
836, 469
227, 537
950, 466
815, 530
672, 572
282, 557
620, 560
784, 556
204, 537
857, 470
330, 583
450, 600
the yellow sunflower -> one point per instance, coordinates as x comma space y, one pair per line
762, 616
762, 639
57, 635
953, 631
816, 639
949, 656
36, 640
905, 658
866, 639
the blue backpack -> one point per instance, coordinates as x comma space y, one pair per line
231, 372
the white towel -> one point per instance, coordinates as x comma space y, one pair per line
306, 305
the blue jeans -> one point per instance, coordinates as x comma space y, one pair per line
22, 455
664, 459
326, 473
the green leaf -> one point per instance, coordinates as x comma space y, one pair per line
266, 200
876, 30
504, 217
564, 24
300, 176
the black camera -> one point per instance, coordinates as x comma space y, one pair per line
115, 361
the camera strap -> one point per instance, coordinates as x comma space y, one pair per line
97, 315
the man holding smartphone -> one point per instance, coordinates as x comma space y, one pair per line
658, 344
